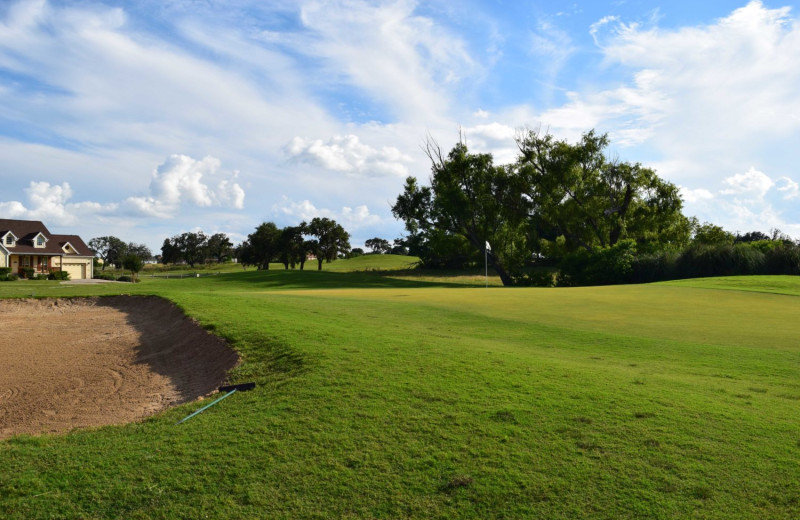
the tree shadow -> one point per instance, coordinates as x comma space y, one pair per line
296, 279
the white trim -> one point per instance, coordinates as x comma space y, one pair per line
70, 245
3, 239
36, 240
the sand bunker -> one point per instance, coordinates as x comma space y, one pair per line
74, 363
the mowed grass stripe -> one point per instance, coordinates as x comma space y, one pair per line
412, 402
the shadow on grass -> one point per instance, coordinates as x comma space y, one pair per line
296, 279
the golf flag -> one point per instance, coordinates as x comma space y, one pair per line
488, 247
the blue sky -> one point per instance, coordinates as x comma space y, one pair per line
146, 119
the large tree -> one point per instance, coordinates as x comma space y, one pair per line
292, 247
139, 250
555, 199
170, 252
378, 245
109, 249
577, 193
263, 245
473, 199
219, 247
330, 239
192, 247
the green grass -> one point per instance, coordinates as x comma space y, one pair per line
393, 396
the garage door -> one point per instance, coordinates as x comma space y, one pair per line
76, 271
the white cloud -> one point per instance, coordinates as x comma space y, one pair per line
695, 195
495, 138
51, 203
348, 154
752, 183
716, 91
790, 188
348, 217
180, 180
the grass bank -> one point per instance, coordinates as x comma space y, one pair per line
384, 396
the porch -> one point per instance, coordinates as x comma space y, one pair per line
41, 264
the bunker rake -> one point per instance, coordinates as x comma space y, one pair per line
230, 390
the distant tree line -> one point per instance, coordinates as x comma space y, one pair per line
566, 214
321, 238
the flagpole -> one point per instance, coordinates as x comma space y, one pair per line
486, 262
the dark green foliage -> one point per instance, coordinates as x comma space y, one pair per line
606, 266
710, 234
4, 272
262, 245
654, 267
720, 260
593, 202
133, 263
292, 246
192, 247
124, 278
330, 239
555, 200
58, 275
783, 259
27, 272
104, 276
219, 247
109, 248
378, 245
170, 253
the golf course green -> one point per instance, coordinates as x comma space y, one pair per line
383, 396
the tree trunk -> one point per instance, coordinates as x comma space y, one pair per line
319, 264
500, 270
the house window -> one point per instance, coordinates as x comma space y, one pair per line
9, 240
39, 241
26, 261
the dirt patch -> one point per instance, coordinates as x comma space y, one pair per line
73, 363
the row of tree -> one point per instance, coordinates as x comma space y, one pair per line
558, 204
321, 238
196, 248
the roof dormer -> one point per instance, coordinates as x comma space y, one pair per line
9, 239
40, 241
68, 249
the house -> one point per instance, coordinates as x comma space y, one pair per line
27, 244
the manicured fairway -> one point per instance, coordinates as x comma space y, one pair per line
400, 398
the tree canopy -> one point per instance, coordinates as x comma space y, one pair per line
555, 199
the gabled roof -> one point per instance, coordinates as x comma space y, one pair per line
26, 232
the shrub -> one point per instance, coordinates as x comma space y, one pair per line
5, 271
720, 260
784, 259
27, 272
654, 267
104, 276
58, 275
12, 277
605, 266
125, 278
40, 276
